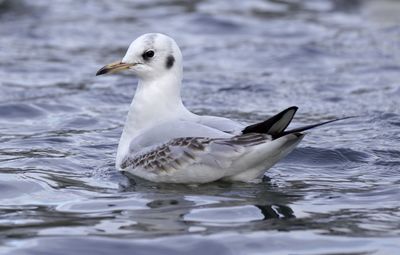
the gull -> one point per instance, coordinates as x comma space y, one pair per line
162, 141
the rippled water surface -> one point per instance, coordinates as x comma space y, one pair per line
338, 192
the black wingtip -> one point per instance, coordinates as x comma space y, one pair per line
274, 125
304, 128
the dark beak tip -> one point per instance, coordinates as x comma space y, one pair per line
101, 71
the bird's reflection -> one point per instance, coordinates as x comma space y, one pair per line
177, 209
276, 211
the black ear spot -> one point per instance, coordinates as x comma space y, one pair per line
170, 61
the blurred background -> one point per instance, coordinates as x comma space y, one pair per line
60, 125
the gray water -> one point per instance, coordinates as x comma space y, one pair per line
338, 192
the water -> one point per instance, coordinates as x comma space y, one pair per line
59, 127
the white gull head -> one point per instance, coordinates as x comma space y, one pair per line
153, 56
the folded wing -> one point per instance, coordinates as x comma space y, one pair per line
179, 153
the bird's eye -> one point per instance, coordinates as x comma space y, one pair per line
148, 54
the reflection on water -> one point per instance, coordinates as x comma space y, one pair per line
59, 127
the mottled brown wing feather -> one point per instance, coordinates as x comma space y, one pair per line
181, 152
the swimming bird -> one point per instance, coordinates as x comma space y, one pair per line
162, 141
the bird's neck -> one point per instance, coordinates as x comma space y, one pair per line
155, 101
